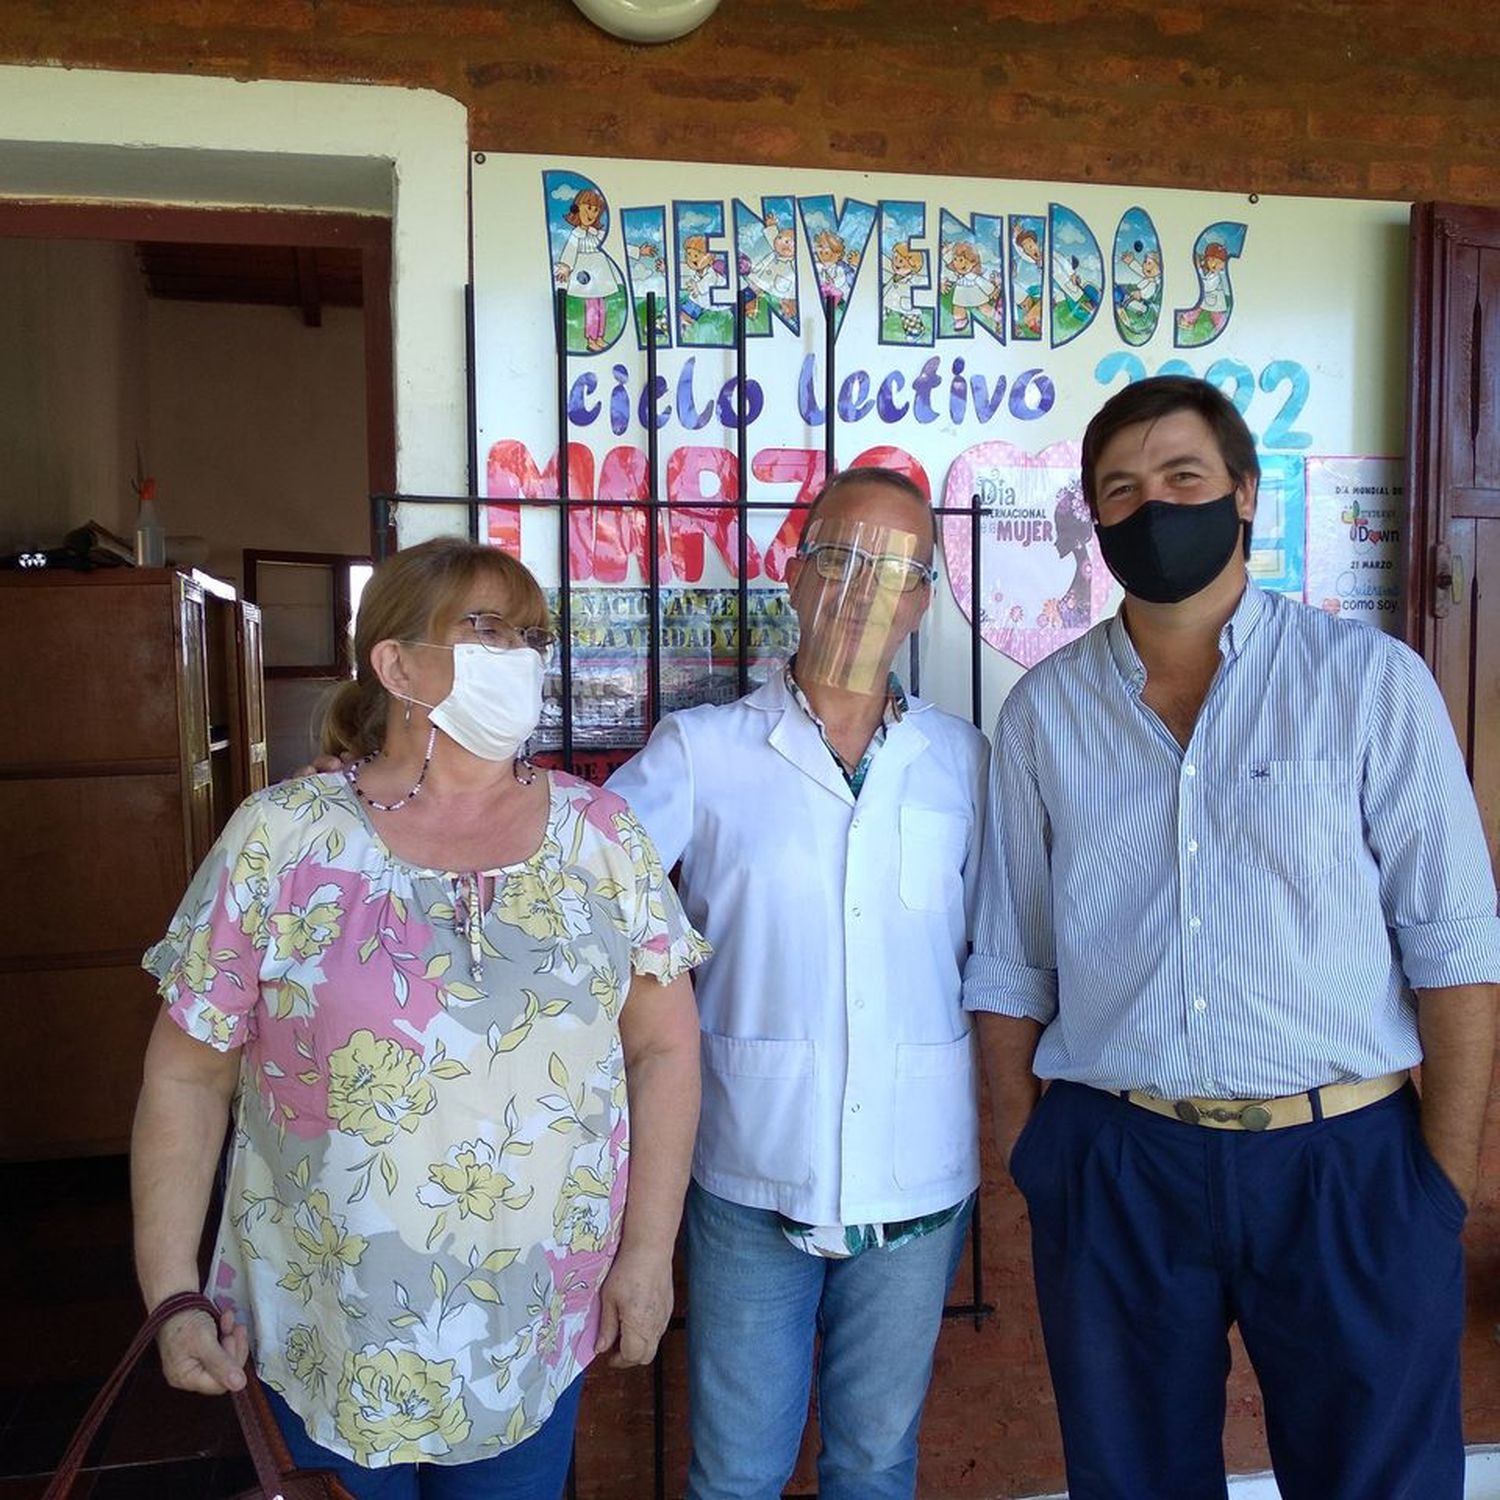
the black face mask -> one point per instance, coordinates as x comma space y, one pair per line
1165, 553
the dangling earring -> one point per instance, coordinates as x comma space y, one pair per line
522, 768
408, 711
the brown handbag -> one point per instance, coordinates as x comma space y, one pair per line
276, 1478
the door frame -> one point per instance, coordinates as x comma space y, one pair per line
369, 234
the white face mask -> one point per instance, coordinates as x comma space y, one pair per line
496, 700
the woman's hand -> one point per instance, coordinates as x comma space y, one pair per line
635, 1304
196, 1356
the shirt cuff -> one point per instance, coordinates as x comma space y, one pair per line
1010, 989
1464, 950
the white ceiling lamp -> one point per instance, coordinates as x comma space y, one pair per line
648, 20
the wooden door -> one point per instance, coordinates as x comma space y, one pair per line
192, 721
250, 740
1453, 551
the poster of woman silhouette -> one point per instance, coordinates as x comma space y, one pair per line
1043, 581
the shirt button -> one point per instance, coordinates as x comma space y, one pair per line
1190, 770
1192, 846
853, 911
1199, 1003
854, 1109
1194, 923
859, 1005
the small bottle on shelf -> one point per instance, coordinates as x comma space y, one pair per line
150, 539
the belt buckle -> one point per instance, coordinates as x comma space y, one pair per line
1251, 1117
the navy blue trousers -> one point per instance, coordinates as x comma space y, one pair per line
1335, 1247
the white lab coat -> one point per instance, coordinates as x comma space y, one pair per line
839, 1076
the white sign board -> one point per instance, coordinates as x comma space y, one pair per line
978, 325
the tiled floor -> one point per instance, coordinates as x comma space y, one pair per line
70, 1309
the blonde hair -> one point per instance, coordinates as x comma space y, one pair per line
418, 595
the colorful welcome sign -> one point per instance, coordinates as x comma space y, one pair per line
976, 325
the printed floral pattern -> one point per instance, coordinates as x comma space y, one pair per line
431, 1138
397, 1407
376, 1087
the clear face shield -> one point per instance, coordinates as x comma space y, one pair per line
859, 595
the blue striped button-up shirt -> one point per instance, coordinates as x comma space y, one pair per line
1249, 916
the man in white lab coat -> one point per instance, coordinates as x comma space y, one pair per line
828, 831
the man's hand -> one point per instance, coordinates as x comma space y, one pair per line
324, 765
635, 1304
1008, 1127
195, 1356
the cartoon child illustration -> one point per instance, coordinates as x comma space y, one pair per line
773, 273
1137, 298
583, 267
1213, 304
972, 290
1072, 531
902, 268
834, 265
650, 275
1029, 306
1068, 287
698, 280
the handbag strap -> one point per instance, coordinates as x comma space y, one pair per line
250, 1406
263, 1440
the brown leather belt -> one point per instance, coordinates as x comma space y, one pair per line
1271, 1114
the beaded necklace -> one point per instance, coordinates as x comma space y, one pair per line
521, 768
353, 774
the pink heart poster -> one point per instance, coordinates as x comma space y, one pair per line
1042, 581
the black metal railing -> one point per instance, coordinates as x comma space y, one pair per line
385, 509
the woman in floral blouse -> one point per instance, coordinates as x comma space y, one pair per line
448, 997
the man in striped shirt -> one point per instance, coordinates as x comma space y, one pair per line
1235, 887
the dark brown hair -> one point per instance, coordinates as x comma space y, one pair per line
1150, 401
418, 595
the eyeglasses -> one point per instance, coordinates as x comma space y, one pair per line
492, 632
838, 562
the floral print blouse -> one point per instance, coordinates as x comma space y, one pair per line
430, 1138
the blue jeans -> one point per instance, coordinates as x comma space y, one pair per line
535, 1469
1335, 1247
755, 1303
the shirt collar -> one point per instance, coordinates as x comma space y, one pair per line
895, 698
1237, 630
1248, 613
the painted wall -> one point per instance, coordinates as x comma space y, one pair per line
257, 428
73, 388
79, 133
252, 423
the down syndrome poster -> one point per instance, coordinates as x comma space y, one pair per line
977, 324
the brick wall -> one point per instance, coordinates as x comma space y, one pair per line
1361, 98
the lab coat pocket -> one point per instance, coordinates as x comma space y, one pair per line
1297, 818
757, 1109
933, 845
934, 1133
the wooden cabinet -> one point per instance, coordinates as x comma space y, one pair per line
134, 726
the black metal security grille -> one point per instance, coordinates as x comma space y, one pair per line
565, 748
